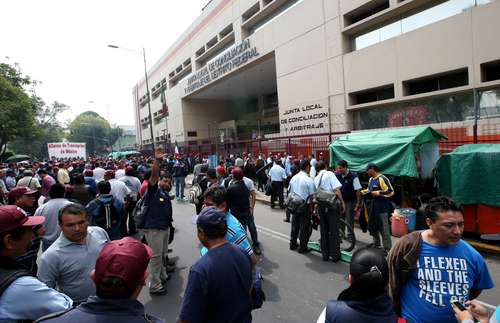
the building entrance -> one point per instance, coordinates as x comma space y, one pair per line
241, 106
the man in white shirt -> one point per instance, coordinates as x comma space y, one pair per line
29, 181
99, 173
134, 185
313, 170
329, 214
50, 211
119, 190
120, 173
277, 175
303, 186
63, 174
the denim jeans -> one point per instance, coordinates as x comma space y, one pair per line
248, 222
180, 182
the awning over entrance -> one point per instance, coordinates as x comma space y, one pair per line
469, 174
394, 151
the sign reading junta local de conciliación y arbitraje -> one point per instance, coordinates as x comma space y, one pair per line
223, 64
307, 117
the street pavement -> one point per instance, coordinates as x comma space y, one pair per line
297, 286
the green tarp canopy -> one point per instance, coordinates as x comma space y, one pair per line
469, 174
123, 154
393, 150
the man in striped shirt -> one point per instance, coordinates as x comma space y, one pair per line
216, 196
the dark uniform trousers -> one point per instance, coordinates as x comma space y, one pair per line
329, 231
277, 193
301, 228
132, 230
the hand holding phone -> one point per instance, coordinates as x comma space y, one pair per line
458, 305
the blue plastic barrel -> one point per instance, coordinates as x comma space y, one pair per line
411, 215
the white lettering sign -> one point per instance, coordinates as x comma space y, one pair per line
67, 150
223, 64
307, 117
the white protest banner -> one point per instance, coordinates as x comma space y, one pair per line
67, 150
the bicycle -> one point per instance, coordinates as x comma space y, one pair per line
347, 236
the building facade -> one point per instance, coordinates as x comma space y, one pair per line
248, 69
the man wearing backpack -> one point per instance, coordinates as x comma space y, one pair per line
108, 212
134, 185
200, 185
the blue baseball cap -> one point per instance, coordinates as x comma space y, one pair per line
210, 217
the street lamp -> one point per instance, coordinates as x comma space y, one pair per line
143, 53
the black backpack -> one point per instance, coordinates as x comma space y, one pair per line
139, 213
108, 217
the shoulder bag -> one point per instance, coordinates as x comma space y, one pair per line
324, 197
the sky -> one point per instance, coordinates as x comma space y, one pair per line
63, 44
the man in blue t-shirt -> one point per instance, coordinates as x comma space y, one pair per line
219, 283
216, 196
431, 268
157, 223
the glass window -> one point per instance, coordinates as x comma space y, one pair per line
415, 21
435, 14
390, 31
448, 108
489, 104
367, 39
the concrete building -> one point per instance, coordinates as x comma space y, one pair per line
127, 140
272, 68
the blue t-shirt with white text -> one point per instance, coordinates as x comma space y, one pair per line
442, 273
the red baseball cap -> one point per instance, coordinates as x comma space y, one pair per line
237, 173
221, 170
129, 170
20, 191
12, 217
126, 258
110, 173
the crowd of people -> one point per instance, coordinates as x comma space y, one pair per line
80, 238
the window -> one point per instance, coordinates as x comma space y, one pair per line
212, 42
365, 11
192, 134
372, 95
446, 108
250, 12
489, 104
276, 13
413, 21
226, 31
490, 71
437, 82
200, 51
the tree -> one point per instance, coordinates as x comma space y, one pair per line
18, 104
95, 131
47, 129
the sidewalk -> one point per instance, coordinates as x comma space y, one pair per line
478, 245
